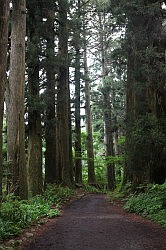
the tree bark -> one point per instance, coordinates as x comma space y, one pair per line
107, 109
35, 179
145, 97
51, 174
78, 153
108, 139
4, 13
89, 135
63, 111
15, 116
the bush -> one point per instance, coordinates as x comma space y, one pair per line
57, 194
151, 204
93, 189
8, 228
16, 214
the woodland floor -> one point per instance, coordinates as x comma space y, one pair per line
93, 223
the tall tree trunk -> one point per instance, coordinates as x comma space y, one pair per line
15, 116
158, 66
89, 135
63, 111
107, 109
145, 95
4, 12
78, 154
51, 175
78, 160
35, 179
108, 138
70, 138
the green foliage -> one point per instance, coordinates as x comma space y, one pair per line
100, 171
100, 167
151, 204
121, 191
101, 4
8, 228
56, 194
126, 189
147, 130
121, 141
146, 141
16, 214
92, 189
114, 159
100, 160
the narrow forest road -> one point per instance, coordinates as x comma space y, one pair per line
92, 223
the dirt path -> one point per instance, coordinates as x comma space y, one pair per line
91, 223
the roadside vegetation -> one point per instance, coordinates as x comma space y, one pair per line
148, 201
151, 203
17, 214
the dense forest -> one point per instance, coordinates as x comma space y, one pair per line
82, 109
82, 94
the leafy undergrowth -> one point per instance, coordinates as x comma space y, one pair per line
150, 204
93, 189
16, 215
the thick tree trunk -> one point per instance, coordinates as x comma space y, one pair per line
89, 135
15, 116
35, 179
108, 138
78, 154
63, 111
51, 175
145, 98
4, 12
70, 139
107, 109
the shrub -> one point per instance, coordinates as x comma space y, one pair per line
151, 204
16, 214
